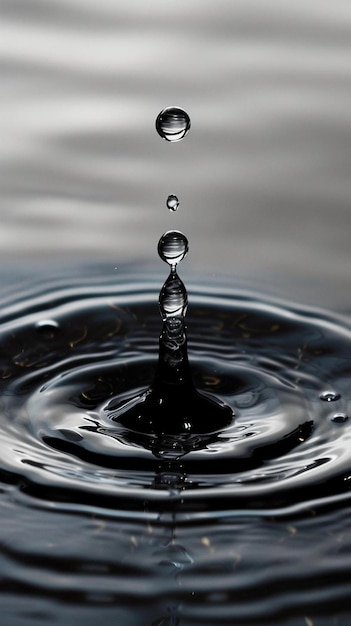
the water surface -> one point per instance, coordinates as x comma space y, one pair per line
95, 526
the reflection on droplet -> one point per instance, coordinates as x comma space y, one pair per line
47, 329
330, 396
339, 418
172, 202
173, 304
173, 247
172, 124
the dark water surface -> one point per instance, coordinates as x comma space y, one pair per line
246, 525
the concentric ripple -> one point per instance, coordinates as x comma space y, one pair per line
71, 357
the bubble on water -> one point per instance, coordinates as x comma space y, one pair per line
173, 124
339, 418
48, 329
172, 202
330, 396
173, 247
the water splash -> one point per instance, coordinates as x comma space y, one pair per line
67, 417
172, 405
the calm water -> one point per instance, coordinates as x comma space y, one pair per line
264, 172
250, 524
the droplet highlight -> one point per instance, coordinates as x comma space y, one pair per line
173, 302
330, 396
339, 418
47, 329
173, 123
173, 246
172, 202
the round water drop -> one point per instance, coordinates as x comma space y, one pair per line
173, 247
48, 329
172, 202
339, 418
173, 124
330, 396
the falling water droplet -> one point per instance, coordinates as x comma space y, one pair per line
339, 418
47, 329
172, 202
173, 124
330, 396
173, 247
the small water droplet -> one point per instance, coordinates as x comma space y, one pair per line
339, 418
173, 124
173, 247
48, 329
172, 202
330, 396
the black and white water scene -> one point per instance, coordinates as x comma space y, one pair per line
175, 318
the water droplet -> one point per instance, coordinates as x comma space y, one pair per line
173, 304
172, 123
173, 247
330, 396
47, 329
172, 202
339, 418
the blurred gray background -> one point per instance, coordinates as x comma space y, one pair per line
264, 176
